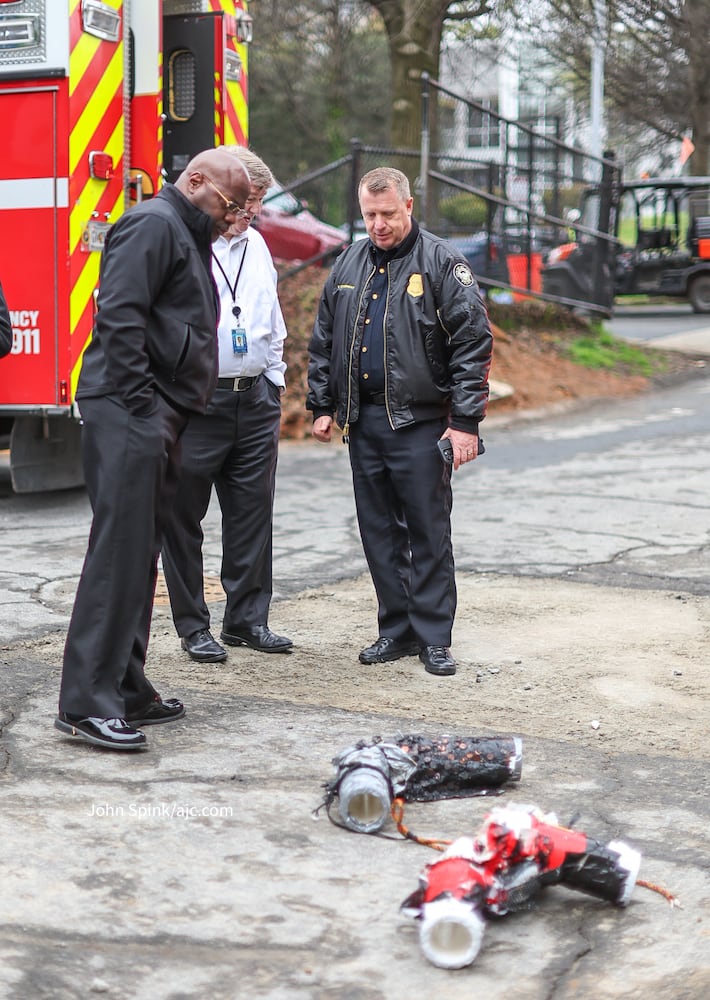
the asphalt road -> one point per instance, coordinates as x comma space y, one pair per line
662, 325
197, 869
593, 494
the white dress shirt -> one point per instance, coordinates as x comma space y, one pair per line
257, 298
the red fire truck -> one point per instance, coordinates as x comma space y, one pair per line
100, 100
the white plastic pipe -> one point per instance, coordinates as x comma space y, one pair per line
364, 800
450, 932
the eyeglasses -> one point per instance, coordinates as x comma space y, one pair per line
230, 206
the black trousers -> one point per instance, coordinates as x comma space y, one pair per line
403, 501
234, 446
130, 466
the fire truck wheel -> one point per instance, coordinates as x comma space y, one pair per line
699, 293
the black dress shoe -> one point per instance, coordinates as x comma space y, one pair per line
257, 636
159, 710
203, 647
438, 660
115, 734
385, 649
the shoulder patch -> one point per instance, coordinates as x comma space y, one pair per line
463, 274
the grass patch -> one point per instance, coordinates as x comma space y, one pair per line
533, 314
647, 300
599, 349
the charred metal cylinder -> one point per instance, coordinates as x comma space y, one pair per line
418, 769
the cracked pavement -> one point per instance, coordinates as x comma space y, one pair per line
198, 869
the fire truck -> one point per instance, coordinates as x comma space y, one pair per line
100, 101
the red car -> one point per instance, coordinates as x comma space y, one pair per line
292, 233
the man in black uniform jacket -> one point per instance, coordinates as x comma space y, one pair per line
400, 354
152, 361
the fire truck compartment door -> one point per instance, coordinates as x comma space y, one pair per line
33, 214
190, 49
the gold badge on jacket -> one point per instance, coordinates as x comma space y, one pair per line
415, 286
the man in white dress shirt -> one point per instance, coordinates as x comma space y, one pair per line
233, 446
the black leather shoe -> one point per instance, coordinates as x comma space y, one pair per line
159, 710
203, 647
115, 734
438, 660
386, 649
257, 636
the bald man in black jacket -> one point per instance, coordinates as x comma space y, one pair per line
152, 361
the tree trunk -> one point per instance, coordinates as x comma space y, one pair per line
697, 18
414, 30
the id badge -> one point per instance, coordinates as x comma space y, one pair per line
239, 340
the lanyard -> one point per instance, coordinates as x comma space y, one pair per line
233, 288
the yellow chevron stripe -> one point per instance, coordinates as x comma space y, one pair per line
114, 146
88, 277
83, 288
85, 48
81, 294
236, 96
116, 4
95, 109
82, 210
81, 56
93, 190
76, 370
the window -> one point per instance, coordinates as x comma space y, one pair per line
483, 127
181, 86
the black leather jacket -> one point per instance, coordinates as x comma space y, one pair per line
438, 340
156, 325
